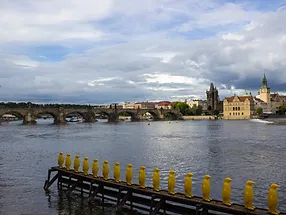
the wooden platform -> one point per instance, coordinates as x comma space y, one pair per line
145, 200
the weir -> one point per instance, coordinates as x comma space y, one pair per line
145, 200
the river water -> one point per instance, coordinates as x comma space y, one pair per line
241, 150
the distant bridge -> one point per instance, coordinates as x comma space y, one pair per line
30, 114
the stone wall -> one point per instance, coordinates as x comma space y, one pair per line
198, 117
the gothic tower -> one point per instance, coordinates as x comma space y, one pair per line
264, 93
212, 98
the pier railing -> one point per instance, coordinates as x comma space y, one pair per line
152, 199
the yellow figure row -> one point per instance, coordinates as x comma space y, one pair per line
206, 186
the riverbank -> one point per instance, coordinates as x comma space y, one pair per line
277, 123
199, 117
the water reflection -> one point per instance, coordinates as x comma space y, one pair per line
75, 204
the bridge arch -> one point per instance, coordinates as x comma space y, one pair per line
110, 116
132, 114
17, 116
154, 114
54, 115
14, 113
83, 115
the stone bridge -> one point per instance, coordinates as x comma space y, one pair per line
29, 115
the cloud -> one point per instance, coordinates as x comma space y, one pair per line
101, 52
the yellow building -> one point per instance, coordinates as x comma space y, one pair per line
264, 94
273, 100
238, 107
244, 107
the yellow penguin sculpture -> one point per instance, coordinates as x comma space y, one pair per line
188, 185
148, 123
273, 199
61, 160
172, 182
206, 188
142, 177
156, 179
68, 162
248, 195
116, 172
85, 166
95, 168
226, 192
76, 163
129, 174
169, 122
105, 170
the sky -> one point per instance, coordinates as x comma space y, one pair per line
98, 52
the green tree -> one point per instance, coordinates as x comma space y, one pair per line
282, 110
199, 110
259, 110
196, 110
182, 107
215, 112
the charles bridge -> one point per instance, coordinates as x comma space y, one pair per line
30, 114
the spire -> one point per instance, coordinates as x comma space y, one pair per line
212, 86
264, 81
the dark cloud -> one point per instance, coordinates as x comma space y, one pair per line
146, 64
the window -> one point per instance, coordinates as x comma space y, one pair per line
233, 108
230, 114
241, 113
238, 108
238, 113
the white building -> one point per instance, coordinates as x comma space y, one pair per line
198, 102
258, 103
129, 105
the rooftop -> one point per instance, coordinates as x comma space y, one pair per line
241, 98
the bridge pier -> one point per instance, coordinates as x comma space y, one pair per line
90, 117
136, 118
60, 118
113, 117
29, 119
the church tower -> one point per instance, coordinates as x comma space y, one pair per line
264, 93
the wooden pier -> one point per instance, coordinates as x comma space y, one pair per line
144, 200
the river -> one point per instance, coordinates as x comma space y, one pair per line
242, 150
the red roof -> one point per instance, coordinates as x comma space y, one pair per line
145, 103
164, 104
241, 98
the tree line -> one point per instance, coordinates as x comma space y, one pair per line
280, 111
186, 110
29, 104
